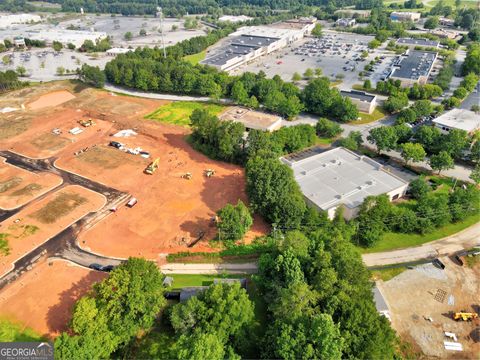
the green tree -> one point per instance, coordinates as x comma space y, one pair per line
384, 137
57, 46
308, 74
21, 71
273, 192
318, 72
432, 22
296, 77
412, 152
441, 161
234, 221
71, 46
353, 141
374, 44
367, 84
422, 108
419, 188
475, 174
92, 75
60, 70
327, 128
142, 32
315, 337
472, 60
396, 102
199, 346
128, 36
317, 30
238, 93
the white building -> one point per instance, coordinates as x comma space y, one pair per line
76, 37
117, 51
405, 16
251, 42
234, 19
460, 119
340, 177
345, 22
8, 20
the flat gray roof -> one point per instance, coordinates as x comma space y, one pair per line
419, 42
238, 46
360, 95
461, 119
340, 176
415, 64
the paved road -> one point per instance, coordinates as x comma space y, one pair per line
64, 244
472, 99
158, 96
460, 241
233, 268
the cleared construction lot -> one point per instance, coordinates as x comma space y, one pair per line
172, 212
422, 302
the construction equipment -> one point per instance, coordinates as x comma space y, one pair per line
86, 123
209, 172
150, 169
187, 176
465, 316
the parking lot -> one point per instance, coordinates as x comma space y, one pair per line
337, 54
42, 64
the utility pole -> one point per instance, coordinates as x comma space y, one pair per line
160, 14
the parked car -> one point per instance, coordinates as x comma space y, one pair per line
95, 266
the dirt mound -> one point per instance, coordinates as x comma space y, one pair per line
51, 99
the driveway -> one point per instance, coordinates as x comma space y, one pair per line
460, 241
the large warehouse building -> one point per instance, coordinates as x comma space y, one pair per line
414, 68
251, 42
460, 119
340, 177
65, 36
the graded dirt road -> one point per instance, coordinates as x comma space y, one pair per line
43, 298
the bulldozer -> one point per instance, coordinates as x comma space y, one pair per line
209, 172
152, 167
86, 123
187, 176
465, 316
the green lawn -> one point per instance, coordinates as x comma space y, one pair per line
178, 113
10, 331
183, 280
194, 59
324, 141
377, 114
393, 241
387, 274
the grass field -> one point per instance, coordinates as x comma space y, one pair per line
183, 280
392, 241
377, 114
387, 274
178, 113
194, 59
324, 141
62, 205
10, 332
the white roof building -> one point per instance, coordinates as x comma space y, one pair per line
117, 51
340, 177
234, 19
9, 20
460, 119
76, 37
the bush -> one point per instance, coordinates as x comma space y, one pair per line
419, 188
327, 128
234, 221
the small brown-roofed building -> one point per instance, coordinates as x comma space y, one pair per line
364, 102
252, 119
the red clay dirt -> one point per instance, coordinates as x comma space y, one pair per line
43, 298
26, 231
51, 99
27, 186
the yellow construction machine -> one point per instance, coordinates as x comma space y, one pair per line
86, 123
152, 167
465, 316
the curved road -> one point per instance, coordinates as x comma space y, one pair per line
64, 244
